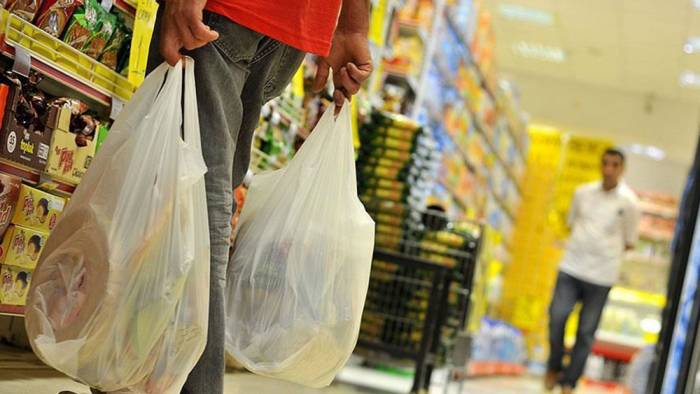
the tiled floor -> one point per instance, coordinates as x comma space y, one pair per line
21, 373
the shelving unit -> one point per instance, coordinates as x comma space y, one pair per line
68, 68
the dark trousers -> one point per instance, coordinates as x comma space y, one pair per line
568, 292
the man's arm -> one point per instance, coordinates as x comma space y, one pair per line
350, 58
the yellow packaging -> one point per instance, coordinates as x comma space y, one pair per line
21, 247
37, 209
14, 285
68, 161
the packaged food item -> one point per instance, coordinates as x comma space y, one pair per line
21, 247
85, 20
70, 156
55, 14
37, 209
102, 131
9, 193
110, 55
97, 41
14, 284
23, 139
25, 9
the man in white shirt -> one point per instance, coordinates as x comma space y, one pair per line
604, 221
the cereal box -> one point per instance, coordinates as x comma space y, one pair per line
21, 247
37, 209
14, 284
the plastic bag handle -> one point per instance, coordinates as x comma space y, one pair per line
344, 122
191, 112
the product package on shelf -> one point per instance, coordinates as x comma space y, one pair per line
21, 247
9, 194
14, 284
55, 14
37, 209
396, 164
73, 143
23, 139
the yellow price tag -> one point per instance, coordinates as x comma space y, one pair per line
144, 24
376, 27
298, 82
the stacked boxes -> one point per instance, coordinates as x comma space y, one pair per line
396, 166
70, 155
35, 215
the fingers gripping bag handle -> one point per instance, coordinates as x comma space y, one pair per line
118, 292
298, 278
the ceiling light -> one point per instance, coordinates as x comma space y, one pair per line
650, 151
690, 79
527, 14
692, 45
538, 51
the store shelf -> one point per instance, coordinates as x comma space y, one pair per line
410, 80
644, 259
506, 167
482, 129
619, 339
12, 310
413, 28
658, 210
60, 62
504, 207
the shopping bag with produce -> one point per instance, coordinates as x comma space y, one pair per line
119, 299
298, 277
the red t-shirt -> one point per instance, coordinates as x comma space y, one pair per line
307, 25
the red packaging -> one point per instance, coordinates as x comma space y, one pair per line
55, 14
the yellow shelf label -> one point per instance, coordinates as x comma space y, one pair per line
144, 25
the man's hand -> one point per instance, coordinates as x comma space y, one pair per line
182, 27
349, 58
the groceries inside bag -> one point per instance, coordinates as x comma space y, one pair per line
298, 277
119, 299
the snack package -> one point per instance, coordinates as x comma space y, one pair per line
55, 14
99, 38
85, 21
14, 284
21, 247
25, 9
9, 193
37, 209
110, 55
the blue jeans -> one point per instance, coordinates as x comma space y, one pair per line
235, 76
568, 292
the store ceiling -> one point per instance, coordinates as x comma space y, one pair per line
621, 71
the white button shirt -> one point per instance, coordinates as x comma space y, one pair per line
602, 223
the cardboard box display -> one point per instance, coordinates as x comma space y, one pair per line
58, 118
22, 247
9, 193
14, 284
68, 161
37, 209
25, 146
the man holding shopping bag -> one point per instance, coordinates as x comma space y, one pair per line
246, 52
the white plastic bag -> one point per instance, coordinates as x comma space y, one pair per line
298, 277
119, 299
